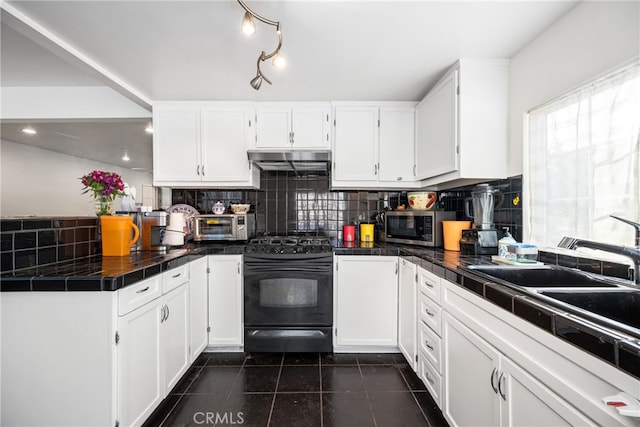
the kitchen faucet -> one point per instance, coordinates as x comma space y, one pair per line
631, 252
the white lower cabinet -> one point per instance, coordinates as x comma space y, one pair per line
198, 307
501, 370
226, 301
152, 347
140, 384
485, 388
429, 331
365, 303
407, 312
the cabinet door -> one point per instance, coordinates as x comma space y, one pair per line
225, 300
366, 300
471, 371
198, 306
436, 130
355, 150
176, 144
407, 307
226, 135
273, 127
527, 402
397, 131
311, 127
140, 386
175, 336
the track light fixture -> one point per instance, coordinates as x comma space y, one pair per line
248, 27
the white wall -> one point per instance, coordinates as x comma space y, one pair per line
40, 182
592, 38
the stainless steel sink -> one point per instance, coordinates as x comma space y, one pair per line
542, 276
621, 305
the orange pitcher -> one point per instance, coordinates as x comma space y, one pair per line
116, 234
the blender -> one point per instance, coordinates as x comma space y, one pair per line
482, 239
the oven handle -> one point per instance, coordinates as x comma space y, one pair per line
263, 268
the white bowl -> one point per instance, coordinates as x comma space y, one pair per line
240, 208
422, 200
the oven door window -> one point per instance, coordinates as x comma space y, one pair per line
217, 226
288, 293
288, 298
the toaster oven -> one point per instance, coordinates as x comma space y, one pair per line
223, 227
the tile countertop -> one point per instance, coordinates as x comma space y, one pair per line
618, 347
98, 273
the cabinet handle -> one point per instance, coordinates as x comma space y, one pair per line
500, 382
399, 178
202, 170
493, 375
375, 169
426, 375
414, 170
139, 291
428, 284
396, 268
426, 310
429, 346
168, 312
175, 276
198, 170
238, 267
162, 314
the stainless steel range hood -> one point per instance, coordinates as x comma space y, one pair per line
290, 160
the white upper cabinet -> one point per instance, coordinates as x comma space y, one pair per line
203, 144
397, 137
293, 126
461, 125
176, 144
373, 146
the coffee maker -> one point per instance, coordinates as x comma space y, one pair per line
483, 238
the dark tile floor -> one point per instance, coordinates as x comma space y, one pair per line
298, 390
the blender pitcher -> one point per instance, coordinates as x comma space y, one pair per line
483, 200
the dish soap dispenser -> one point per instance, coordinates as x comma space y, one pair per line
504, 242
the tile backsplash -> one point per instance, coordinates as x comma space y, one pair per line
291, 203
29, 242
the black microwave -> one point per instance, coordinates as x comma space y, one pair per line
416, 227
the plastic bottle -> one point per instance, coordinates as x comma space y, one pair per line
504, 242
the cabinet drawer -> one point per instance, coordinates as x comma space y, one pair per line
430, 345
430, 313
431, 379
175, 277
134, 296
429, 284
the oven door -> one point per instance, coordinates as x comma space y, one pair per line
218, 227
288, 292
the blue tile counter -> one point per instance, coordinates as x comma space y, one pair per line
98, 273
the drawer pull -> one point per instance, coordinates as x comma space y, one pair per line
426, 375
175, 276
139, 291
429, 285
429, 346
426, 310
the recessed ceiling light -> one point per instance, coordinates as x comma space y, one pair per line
29, 130
149, 129
126, 156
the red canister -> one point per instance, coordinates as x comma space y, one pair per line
348, 233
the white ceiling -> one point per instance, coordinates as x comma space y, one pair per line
335, 50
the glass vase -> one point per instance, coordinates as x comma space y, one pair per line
103, 206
